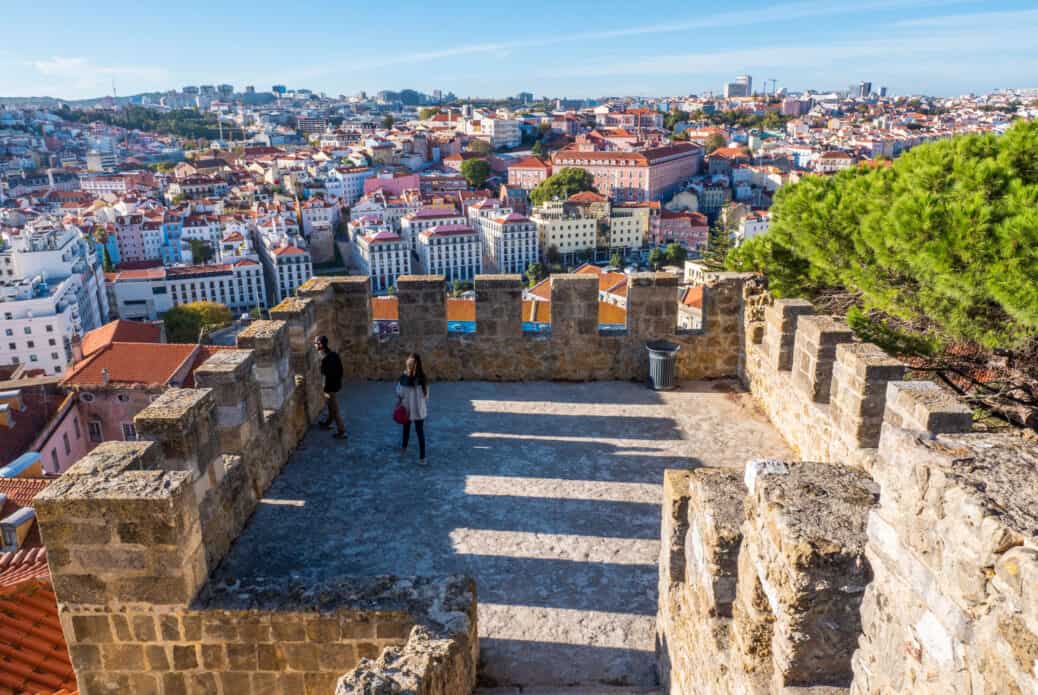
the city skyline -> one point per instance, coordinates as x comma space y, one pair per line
938, 47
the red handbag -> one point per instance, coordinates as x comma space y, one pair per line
400, 414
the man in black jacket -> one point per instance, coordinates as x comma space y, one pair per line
331, 370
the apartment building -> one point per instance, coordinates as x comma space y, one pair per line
528, 172
51, 290
510, 242
346, 184
451, 250
753, 224
383, 256
147, 294
650, 174
413, 224
566, 232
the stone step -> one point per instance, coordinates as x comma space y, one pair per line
569, 690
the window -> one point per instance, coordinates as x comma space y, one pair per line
129, 432
50, 328
8, 331
75, 426
53, 460
32, 358
28, 330
64, 440
12, 346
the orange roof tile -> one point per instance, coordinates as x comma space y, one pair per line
33, 654
121, 331
131, 363
461, 309
611, 314
587, 197
385, 309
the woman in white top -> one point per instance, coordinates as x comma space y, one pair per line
412, 391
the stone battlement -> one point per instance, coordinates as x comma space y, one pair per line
574, 349
899, 556
903, 560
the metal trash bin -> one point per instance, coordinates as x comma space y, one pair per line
663, 360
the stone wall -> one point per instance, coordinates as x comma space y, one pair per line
134, 530
905, 560
574, 349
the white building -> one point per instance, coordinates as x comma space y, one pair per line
414, 223
451, 250
510, 242
51, 289
499, 132
383, 256
567, 233
148, 294
347, 183
753, 224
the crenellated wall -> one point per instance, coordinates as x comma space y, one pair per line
904, 560
134, 530
575, 349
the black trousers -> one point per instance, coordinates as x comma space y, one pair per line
419, 428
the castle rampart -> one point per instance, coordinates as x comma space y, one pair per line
898, 556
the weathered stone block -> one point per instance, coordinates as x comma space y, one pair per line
183, 422
814, 354
574, 305
499, 305
652, 304
923, 405
780, 325
713, 537
807, 525
422, 303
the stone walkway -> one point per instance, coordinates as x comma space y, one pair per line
548, 494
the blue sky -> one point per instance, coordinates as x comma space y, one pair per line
74, 49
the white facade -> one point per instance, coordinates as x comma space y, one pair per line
567, 233
347, 184
148, 294
453, 251
413, 224
383, 256
38, 324
753, 224
510, 242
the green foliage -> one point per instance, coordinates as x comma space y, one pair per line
616, 260
656, 258
387, 121
106, 260
947, 236
674, 117
538, 149
675, 254
535, 272
714, 142
426, 113
186, 123
461, 286
185, 323
201, 252
476, 172
480, 147
718, 246
562, 184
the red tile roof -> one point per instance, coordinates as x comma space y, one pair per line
530, 163
131, 363
120, 331
288, 251
587, 197
33, 653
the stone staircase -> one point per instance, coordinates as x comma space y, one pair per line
571, 690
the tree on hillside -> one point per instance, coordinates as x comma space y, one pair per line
535, 272
675, 254
655, 258
201, 252
426, 113
562, 185
718, 245
476, 172
673, 117
480, 147
538, 149
387, 121
715, 142
185, 323
946, 236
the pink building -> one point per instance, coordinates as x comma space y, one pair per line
129, 235
529, 172
690, 229
391, 184
650, 174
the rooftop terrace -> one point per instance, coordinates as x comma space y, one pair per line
548, 494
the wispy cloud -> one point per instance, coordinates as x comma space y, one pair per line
81, 74
742, 18
998, 39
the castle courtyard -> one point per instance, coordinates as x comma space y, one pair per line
548, 494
